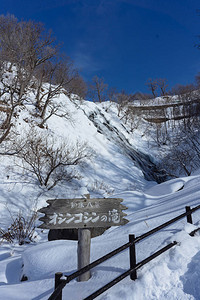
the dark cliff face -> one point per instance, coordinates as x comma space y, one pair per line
149, 169
141, 160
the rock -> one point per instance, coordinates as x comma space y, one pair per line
72, 234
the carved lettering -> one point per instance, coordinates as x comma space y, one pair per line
83, 213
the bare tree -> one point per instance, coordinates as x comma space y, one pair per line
48, 163
162, 85
55, 77
52, 80
97, 90
24, 46
122, 100
182, 90
178, 162
184, 156
29, 59
112, 94
155, 84
77, 86
152, 86
12, 90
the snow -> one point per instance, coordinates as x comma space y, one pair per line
110, 172
42, 260
173, 275
166, 187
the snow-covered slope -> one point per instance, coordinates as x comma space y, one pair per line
116, 162
114, 130
119, 166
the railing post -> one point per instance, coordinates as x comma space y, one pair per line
58, 275
132, 254
189, 217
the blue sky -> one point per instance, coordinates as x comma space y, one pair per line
124, 41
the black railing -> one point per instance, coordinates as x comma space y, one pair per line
60, 282
129, 272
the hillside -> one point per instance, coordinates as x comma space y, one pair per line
120, 162
117, 160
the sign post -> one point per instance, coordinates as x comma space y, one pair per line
83, 214
83, 252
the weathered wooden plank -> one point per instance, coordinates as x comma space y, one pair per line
51, 201
83, 207
79, 210
67, 202
72, 205
83, 213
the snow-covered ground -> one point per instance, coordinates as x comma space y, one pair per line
110, 172
173, 275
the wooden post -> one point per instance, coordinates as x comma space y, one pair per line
84, 241
189, 217
58, 275
132, 254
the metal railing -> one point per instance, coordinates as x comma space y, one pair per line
132, 272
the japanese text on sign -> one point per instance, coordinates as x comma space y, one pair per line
85, 217
83, 213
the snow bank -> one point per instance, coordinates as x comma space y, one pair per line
166, 188
172, 275
43, 261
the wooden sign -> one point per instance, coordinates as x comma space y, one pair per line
83, 213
